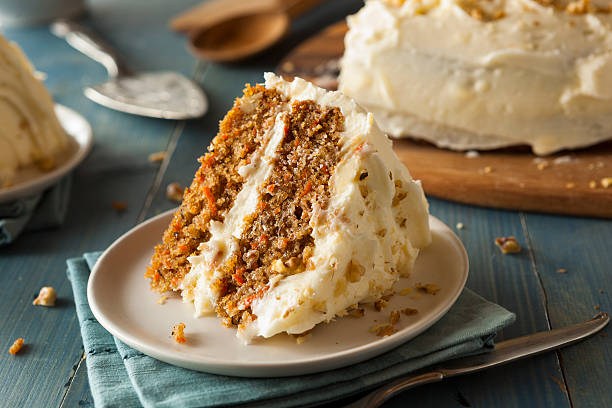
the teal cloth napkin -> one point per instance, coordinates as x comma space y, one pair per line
45, 210
120, 376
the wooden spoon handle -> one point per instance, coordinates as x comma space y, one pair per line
295, 8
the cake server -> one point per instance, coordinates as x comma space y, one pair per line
166, 95
504, 352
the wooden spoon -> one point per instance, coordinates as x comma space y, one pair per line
245, 35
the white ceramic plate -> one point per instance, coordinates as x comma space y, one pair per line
30, 180
120, 299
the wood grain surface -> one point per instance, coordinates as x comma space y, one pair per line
564, 183
51, 373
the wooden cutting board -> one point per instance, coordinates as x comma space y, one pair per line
565, 183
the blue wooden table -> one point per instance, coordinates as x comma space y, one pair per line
51, 372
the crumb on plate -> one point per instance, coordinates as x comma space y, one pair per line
177, 333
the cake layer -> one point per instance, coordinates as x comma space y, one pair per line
30, 132
484, 74
326, 217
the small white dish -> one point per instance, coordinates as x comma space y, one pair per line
121, 300
31, 180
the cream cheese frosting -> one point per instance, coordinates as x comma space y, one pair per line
367, 237
30, 132
484, 74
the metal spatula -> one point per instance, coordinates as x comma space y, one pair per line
167, 95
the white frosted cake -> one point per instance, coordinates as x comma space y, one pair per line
484, 74
30, 132
299, 210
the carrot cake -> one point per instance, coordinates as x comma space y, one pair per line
299, 210
30, 132
483, 74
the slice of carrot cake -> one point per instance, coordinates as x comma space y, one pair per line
29, 132
299, 210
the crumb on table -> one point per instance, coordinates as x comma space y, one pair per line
157, 157
119, 206
178, 333
46, 297
508, 245
162, 300
561, 270
606, 182
17, 345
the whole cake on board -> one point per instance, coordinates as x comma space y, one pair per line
30, 132
299, 210
484, 74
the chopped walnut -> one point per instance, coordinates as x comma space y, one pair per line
394, 316
177, 333
429, 288
359, 312
386, 331
388, 296
162, 300
46, 297
174, 192
16, 346
408, 311
508, 245
380, 304
119, 206
157, 157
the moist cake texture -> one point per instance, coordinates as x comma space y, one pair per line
299, 210
30, 132
484, 74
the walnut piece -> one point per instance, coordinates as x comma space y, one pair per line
46, 297
508, 245
17, 345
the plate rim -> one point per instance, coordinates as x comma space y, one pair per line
274, 368
84, 141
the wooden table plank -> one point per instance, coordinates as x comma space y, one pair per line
582, 247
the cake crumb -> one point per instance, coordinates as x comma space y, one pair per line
559, 383
174, 192
406, 291
383, 329
601, 291
408, 311
302, 338
429, 288
394, 316
415, 297
472, 154
460, 226
570, 185
487, 169
177, 333
592, 184
157, 157
564, 160
561, 270
542, 165
162, 300
16, 346
380, 304
596, 307
508, 245
119, 206
606, 182
46, 297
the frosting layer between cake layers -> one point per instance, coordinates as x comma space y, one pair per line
484, 74
368, 235
30, 131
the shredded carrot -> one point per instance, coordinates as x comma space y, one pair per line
17, 345
307, 188
212, 207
